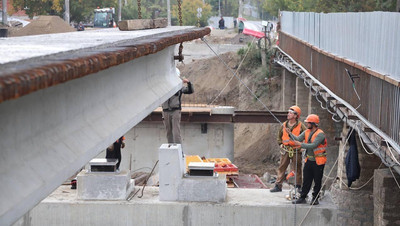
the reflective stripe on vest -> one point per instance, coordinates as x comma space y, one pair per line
285, 136
320, 151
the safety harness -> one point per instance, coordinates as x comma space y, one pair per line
288, 144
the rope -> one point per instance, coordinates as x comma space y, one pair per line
391, 153
205, 41
323, 184
362, 142
359, 188
248, 50
312, 204
295, 192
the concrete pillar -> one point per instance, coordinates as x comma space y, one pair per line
4, 14
66, 15
288, 90
356, 206
303, 98
172, 168
169, 12
386, 198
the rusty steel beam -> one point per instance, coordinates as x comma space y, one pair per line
30, 77
238, 117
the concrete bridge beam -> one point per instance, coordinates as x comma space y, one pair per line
64, 100
50, 134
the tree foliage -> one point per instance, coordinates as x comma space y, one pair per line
189, 12
228, 7
327, 6
39, 7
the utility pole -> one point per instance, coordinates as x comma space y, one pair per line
219, 7
169, 12
240, 13
119, 10
66, 15
4, 17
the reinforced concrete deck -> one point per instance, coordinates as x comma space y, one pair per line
242, 207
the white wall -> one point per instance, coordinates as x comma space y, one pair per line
144, 140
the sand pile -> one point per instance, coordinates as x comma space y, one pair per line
44, 25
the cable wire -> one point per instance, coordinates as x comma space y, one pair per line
312, 204
248, 50
255, 96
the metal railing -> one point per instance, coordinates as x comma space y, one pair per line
370, 39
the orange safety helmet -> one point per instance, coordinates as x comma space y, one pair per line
296, 109
312, 119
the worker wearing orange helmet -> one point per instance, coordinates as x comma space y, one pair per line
315, 146
290, 153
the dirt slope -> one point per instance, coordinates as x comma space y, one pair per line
256, 150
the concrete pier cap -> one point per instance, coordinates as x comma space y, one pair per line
65, 97
177, 185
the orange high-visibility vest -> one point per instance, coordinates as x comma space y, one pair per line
286, 138
320, 151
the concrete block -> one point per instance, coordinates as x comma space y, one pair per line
104, 186
160, 22
140, 24
171, 169
203, 189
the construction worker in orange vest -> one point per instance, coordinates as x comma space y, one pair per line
290, 153
315, 145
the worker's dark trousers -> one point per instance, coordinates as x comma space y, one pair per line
312, 172
118, 156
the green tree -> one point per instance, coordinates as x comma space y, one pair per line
228, 7
327, 6
273, 6
189, 12
40, 7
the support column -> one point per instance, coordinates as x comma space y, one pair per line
303, 98
4, 12
386, 198
288, 90
66, 15
356, 205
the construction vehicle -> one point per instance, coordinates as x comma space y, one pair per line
104, 17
